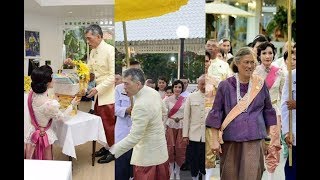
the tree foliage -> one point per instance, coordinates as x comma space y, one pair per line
75, 42
280, 22
158, 64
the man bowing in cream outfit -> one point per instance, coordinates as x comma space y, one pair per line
147, 135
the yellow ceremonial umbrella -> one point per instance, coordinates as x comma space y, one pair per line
141, 9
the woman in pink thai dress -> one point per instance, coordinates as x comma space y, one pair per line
274, 78
39, 135
174, 124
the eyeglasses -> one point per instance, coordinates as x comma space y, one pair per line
247, 62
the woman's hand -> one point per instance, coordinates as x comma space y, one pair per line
42, 131
291, 104
216, 147
288, 140
75, 101
92, 93
186, 139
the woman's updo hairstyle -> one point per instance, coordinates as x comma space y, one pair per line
40, 78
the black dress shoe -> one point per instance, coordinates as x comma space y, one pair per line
106, 158
101, 152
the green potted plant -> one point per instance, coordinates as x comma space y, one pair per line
278, 26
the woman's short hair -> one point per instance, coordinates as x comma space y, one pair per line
161, 78
167, 88
176, 82
239, 55
40, 77
263, 46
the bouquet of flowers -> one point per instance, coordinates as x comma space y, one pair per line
83, 73
82, 70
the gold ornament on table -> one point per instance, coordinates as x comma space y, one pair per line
73, 83
27, 84
84, 77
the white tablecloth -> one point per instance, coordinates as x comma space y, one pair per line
47, 169
82, 128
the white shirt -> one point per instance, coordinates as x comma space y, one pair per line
284, 108
219, 69
194, 120
280, 63
185, 93
123, 123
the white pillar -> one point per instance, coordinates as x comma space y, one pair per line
253, 22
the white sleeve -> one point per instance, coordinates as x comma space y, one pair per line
284, 107
52, 110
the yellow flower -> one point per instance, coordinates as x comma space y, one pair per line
27, 83
82, 70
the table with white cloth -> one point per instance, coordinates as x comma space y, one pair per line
81, 128
47, 169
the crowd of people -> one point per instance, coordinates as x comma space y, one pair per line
248, 110
238, 115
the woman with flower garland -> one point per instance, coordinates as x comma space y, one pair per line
240, 119
274, 78
42, 110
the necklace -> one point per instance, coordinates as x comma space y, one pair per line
246, 96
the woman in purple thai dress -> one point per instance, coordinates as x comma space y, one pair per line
240, 119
